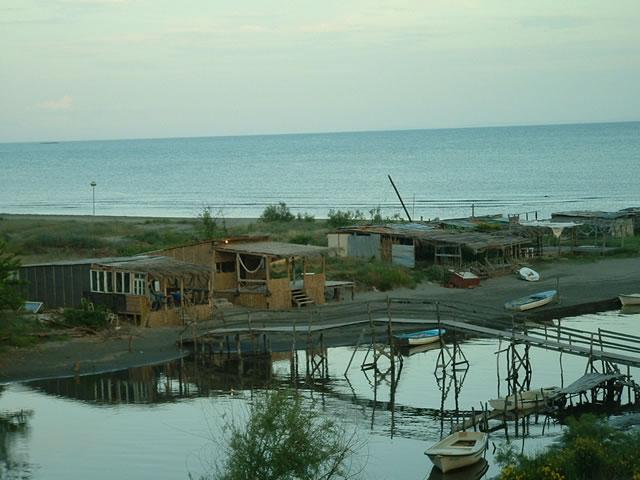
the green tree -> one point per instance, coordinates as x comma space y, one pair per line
284, 439
277, 213
10, 296
208, 223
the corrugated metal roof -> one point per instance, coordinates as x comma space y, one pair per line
477, 241
589, 381
157, 265
273, 249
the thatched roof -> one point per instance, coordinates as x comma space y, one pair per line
476, 241
273, 249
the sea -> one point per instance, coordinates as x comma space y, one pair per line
531, 170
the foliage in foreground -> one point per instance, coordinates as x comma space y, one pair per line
285, 439
588, 450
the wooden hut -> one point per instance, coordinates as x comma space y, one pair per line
153, 290
257, 273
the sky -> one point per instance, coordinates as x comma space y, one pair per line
106, 69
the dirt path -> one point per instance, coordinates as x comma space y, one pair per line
580, 284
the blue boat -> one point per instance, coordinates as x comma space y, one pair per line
531, 301
419, 338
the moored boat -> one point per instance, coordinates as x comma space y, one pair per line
629, 299
422, 337
525, 400
458, 450
528, 274
531, 301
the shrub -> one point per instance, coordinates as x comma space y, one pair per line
339, 218
86, 317
10, 296
277, 213
284, 439
589, 449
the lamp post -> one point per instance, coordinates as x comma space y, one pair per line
93, 188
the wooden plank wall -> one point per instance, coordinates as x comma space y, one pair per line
314, 287
200, 254
280, 294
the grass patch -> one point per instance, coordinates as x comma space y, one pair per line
373, 273
18, 330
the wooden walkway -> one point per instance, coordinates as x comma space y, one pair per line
549, 343
603, 345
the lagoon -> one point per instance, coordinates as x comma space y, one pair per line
166, 421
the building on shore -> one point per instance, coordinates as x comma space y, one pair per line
152, 290
407, 243
257, 273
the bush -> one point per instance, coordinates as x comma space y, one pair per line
285, 440
277, 213
339, 218
10, 296
589, 449
86, 317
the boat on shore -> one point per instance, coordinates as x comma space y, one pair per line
422, 337
534, 300
458, 450
528, 274
525, 400
627, 299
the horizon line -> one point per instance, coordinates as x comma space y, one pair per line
334, 132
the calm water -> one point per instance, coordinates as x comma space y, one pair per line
168, 421
439, 172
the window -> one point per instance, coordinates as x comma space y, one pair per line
111, 282
225, 267
139, 282
123, 282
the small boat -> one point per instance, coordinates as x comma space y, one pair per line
419, 338
629, 299
458, 450
531, 301
528, 274
525, 400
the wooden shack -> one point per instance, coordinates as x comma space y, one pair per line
404, 244
152, 290
257, 273
597, 223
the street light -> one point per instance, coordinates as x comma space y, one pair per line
93, 187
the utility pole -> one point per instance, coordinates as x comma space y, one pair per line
93, 188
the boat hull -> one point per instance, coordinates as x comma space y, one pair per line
528, 274
630, 299
458, 450
524, 400
532, 301
448, 463
424, 337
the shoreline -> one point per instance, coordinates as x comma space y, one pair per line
584, 288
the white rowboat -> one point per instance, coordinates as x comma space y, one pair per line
528, 274
629, 299
524, 400
531, 301
458, 450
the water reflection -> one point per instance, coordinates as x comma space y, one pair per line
14, 426
400, 406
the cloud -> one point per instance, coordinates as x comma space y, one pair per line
64, 103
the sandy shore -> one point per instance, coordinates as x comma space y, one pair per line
584, 287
